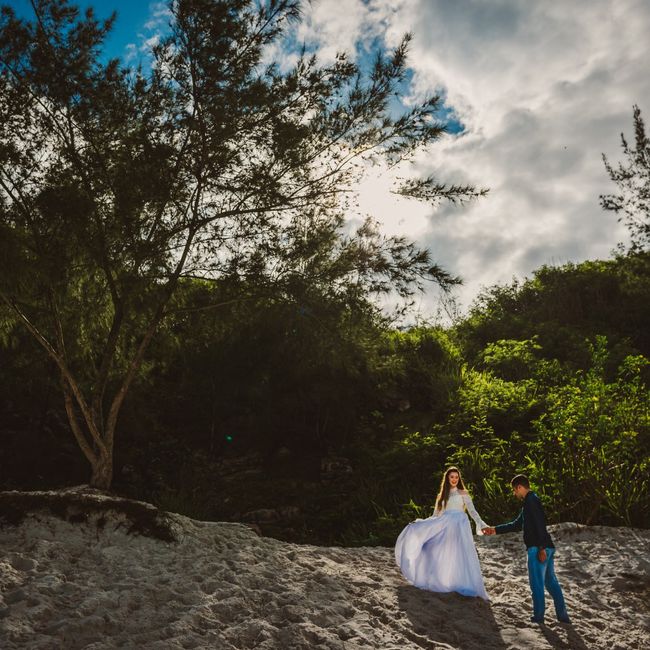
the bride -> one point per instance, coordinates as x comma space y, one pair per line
438, 553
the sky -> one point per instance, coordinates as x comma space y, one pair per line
542, 89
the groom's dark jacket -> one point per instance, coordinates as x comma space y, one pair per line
532, 520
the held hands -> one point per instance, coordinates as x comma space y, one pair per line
541, 553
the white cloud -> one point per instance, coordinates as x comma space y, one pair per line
149, 43
331, 26
543, 88
151, 33
160, 15
130, 52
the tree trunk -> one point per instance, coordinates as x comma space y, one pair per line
102, 471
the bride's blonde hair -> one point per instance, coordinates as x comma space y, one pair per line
443, 494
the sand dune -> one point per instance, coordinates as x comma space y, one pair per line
91, 584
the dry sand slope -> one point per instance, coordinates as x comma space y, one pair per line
77, 585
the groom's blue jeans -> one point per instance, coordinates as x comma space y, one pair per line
542, 575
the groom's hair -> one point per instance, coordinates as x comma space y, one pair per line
520, 479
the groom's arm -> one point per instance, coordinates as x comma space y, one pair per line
511, 526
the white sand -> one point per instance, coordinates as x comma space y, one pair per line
220, 586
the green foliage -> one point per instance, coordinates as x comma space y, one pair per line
325, 375
511, 359
420, 366
560, 307
489, 405
487, 469
520, 410
593, 447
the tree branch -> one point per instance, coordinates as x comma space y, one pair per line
63, 367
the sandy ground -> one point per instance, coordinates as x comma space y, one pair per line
220, 586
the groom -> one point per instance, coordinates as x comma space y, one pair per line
540, 550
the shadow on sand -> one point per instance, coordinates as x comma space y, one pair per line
572, 640
450, 619
455, 621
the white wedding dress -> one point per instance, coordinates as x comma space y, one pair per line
438, 553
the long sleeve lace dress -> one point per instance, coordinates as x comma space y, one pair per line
438, 553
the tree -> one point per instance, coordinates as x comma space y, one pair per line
633, 180
117, 183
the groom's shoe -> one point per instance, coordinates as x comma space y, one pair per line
534, 619
564, 619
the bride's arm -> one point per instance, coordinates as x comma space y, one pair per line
480, 524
